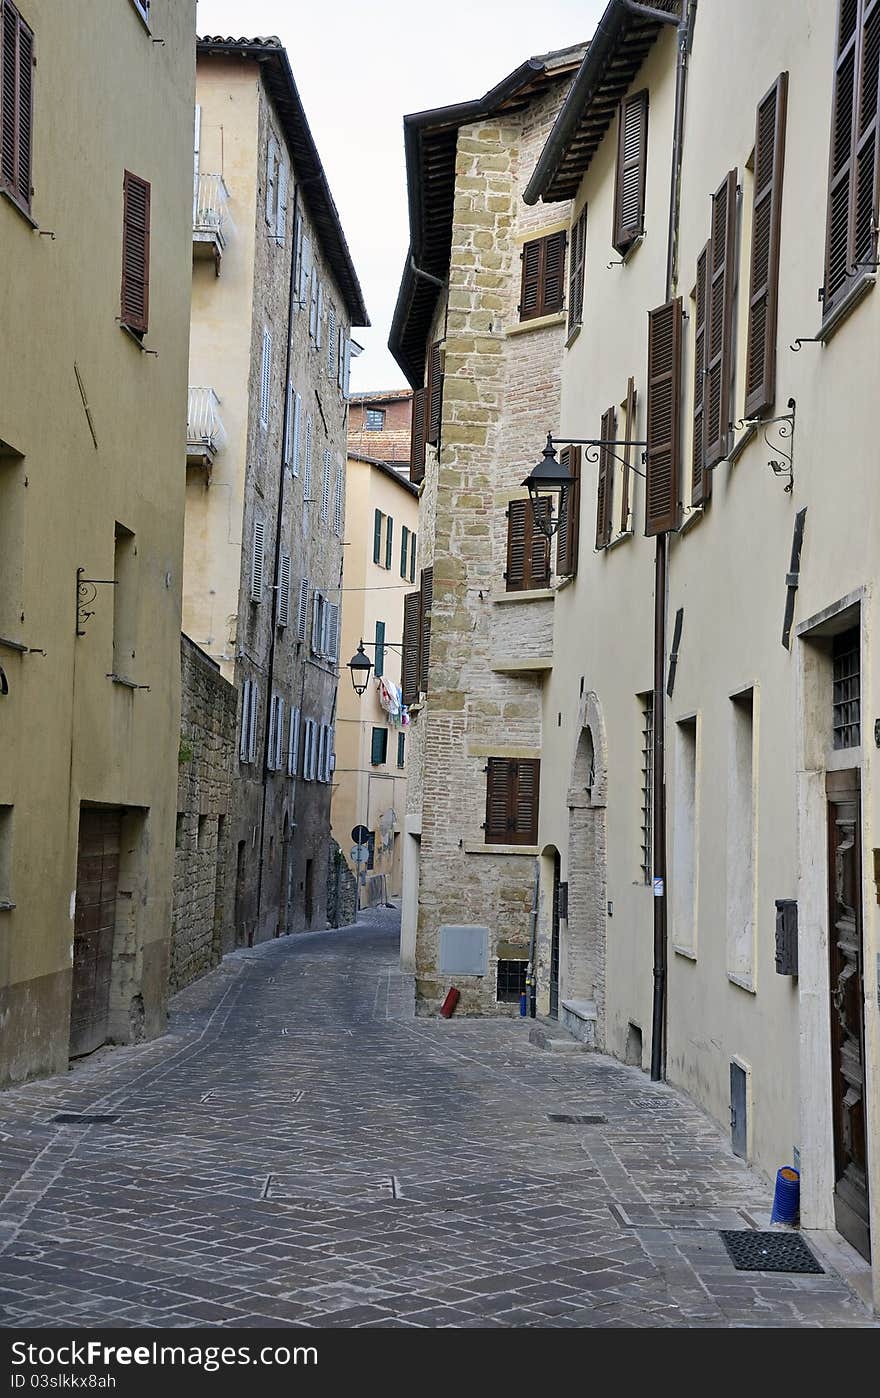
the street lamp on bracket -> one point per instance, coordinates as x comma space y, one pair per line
360, 664
549, 482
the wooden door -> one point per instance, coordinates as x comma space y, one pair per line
97, 878
554, 944
847, 1012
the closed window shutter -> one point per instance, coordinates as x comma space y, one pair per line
135, 253
852, 179
554, 273
253, 714
327, 463
569, 525
307, 468
265, 379
284, 590
632, 159
276, 721
280, 221
288, 425
627, 456
512, 790
297, 435
530, 290
380, 649
339, 501
271, 177
293, 743
258, 548
404, 547
302, 609
16, 105
322, 752
331, 341
243, 738
605, 489
525, 805
577, 263
435, 394
379, 746
346, 369
389, 542
425, 643
543, 276
764, 271
412, 628
701, 479
720, 275
662, 486
340, 357
528, 548
377, 535
401, 749
298, 254
317, 621
500, 782
313, 303
319, 323
332, 644
417, 439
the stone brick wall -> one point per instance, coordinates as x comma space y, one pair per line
341, 890
202, 926
501, 393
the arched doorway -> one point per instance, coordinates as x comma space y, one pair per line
582, 969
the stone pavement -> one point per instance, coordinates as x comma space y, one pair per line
300, 1150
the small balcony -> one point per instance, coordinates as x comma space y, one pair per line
211, 223
205, 433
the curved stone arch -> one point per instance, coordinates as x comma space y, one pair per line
588, 783
583, 947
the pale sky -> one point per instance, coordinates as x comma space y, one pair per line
359, 67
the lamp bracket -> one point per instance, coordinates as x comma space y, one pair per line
782, 461
595, 443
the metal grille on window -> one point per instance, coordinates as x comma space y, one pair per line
647, 784
511, 981
266, 379
846, 691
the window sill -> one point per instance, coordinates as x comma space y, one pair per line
536, 323
741, 443
573, 334
620, 539
627, 254
743, 984
687, 952
471, 847
19, 209
693, 517
536, 594
134, 336
6, 906
513, 666
126, 682
860, 288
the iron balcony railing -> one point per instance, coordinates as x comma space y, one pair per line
205, 433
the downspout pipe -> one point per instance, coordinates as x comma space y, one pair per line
661, 569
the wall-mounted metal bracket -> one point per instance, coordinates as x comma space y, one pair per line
86, 593
784, 433
594, 445
804, 340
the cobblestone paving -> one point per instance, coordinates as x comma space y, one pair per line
299, 1150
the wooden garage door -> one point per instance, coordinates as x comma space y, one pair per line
97, 877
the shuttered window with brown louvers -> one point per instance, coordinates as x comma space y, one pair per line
630, 409
569, 525
412, 632
720, 276
701, 479
605, 487
662, 486
425, 643
16, 104
632, 163
435, 395
512, 789
543, 276
135, 253
576, 265
528, 548
851, 239
764, 271
417, 439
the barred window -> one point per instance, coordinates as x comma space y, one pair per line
846, 690
647, 834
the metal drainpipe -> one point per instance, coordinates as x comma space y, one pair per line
661, 561
278, 520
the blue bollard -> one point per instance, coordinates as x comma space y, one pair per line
523, 1005
787, 1198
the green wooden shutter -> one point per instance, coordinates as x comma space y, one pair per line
401, 749
389, 541
662, 488
404, 548
764, 270
412, 631
377, 536
425, 640
379, 747
379, 665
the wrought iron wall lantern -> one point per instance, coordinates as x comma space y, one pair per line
86, 592
360, 664
782, 462
549, 482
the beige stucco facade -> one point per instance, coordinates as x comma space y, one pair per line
748, 729
366, 792
91, 479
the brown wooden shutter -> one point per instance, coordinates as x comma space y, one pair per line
577, 262
701, 479
764, 271
632, 162
528, 548
569, 526
435, 394
412, 635
427, 596
524, 828
662, 492
838, 246
135, 253
543, 276
500, 783
512, 791
867, 144
16, 104
530, 289
417, 436
720, 276
554, 273
605, 489
627, 454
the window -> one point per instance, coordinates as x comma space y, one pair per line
377, 535
741, 841
331, 341
379, 747
511, 983
434, 394
265, 379
374, 419
632, 161
512, 785
327, 463
298, 265
401, 750
313, 302
605, 489
851, 238
293, 743
319, 317
415, 663
310, 749
17, 106
417, 436
302, 610
389, 541
383, 539
684, 848
662, 488
404, 549
576, 266
276, 189
326, 757
135, 297
307, 474
339, 499
646, 703
764, 270
846, 690
325, 627
720, 279
7, 900
701, 478
125, 601
528, 549
258, 553
296, 442
275, 757
283, 595
412, 557
568, 535
543, 268
379, 666
303, 286
250, 704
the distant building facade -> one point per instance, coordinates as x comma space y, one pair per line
380, 424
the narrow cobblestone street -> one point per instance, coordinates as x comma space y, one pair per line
299, 1150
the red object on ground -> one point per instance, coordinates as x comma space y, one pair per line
450, 1003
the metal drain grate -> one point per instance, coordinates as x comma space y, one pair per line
769, 1252
84, 1118
568, 1120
